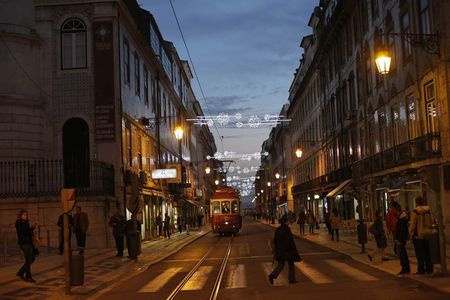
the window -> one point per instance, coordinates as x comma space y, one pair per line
126, 61
234, 207
73, 44
406, 28
432, 112
424, 16
140, 152
225, 207
391, 40
368, 71
129, 154
395, 114
374, 7
137, 75
413, 117
216, 207
145, 86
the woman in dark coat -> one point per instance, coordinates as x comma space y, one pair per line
284, 250
380, 236
25, 241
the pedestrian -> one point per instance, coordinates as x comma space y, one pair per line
284, 250
61, 231
311, 220
335, 223
25, 240
377, 229
167, 226
301, 221
80, 224
391, 221
401, 237
327, 221
159, 225
118, 224
421, 220
180, 224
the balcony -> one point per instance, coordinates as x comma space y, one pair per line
46, 178
421, 148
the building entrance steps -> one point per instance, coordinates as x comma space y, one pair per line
348, 244
102, 268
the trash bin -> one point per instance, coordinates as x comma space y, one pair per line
77, 270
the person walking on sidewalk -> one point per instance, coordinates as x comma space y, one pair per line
167, 226
421, 220
61, 232
284, 250
401, 237
391, 221
335, 223
25, 240
311, 219
118, 224
377, 229
180, 224
159, 225
80, 224
327, 221
301, 221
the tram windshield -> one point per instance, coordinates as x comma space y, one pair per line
225, 207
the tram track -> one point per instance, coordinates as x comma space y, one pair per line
219, 277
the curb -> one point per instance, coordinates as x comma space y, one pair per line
118, 280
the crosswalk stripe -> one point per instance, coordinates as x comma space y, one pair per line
313, 274
236, 277
281, 280
198, 280
351, 271
159, 281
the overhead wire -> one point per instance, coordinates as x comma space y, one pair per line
193, 69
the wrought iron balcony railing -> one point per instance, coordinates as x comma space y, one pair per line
46, 178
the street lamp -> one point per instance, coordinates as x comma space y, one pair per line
383, 61
262, 191
179, 136
277, 175
216, 181
207, 170
269, 183
298, 153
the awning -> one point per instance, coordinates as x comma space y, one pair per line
339, 188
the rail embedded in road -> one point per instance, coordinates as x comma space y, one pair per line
218, 281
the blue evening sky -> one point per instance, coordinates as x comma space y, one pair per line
245, 53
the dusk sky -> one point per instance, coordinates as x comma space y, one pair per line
245, 53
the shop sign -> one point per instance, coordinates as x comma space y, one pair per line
164, 173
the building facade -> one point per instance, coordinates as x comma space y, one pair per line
92, 99
366, 138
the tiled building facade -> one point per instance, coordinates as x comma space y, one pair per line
369, 138
92, 101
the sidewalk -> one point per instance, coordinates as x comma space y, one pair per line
102, 270
348, 245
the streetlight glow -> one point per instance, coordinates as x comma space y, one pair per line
207, 170
277, 175
262, 191
383, 61
178, 133
216, 181
269, 183
298, 152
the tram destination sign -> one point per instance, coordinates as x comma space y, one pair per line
164, 173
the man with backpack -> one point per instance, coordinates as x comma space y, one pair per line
420, 230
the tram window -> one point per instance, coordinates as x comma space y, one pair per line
225, 207
234, 207
216, 207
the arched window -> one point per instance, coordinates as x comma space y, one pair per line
73, 44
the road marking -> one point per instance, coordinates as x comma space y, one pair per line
281, 280
159, 281
236, 277
313, 274
198, 280
351, 271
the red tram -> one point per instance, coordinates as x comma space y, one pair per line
225, 207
